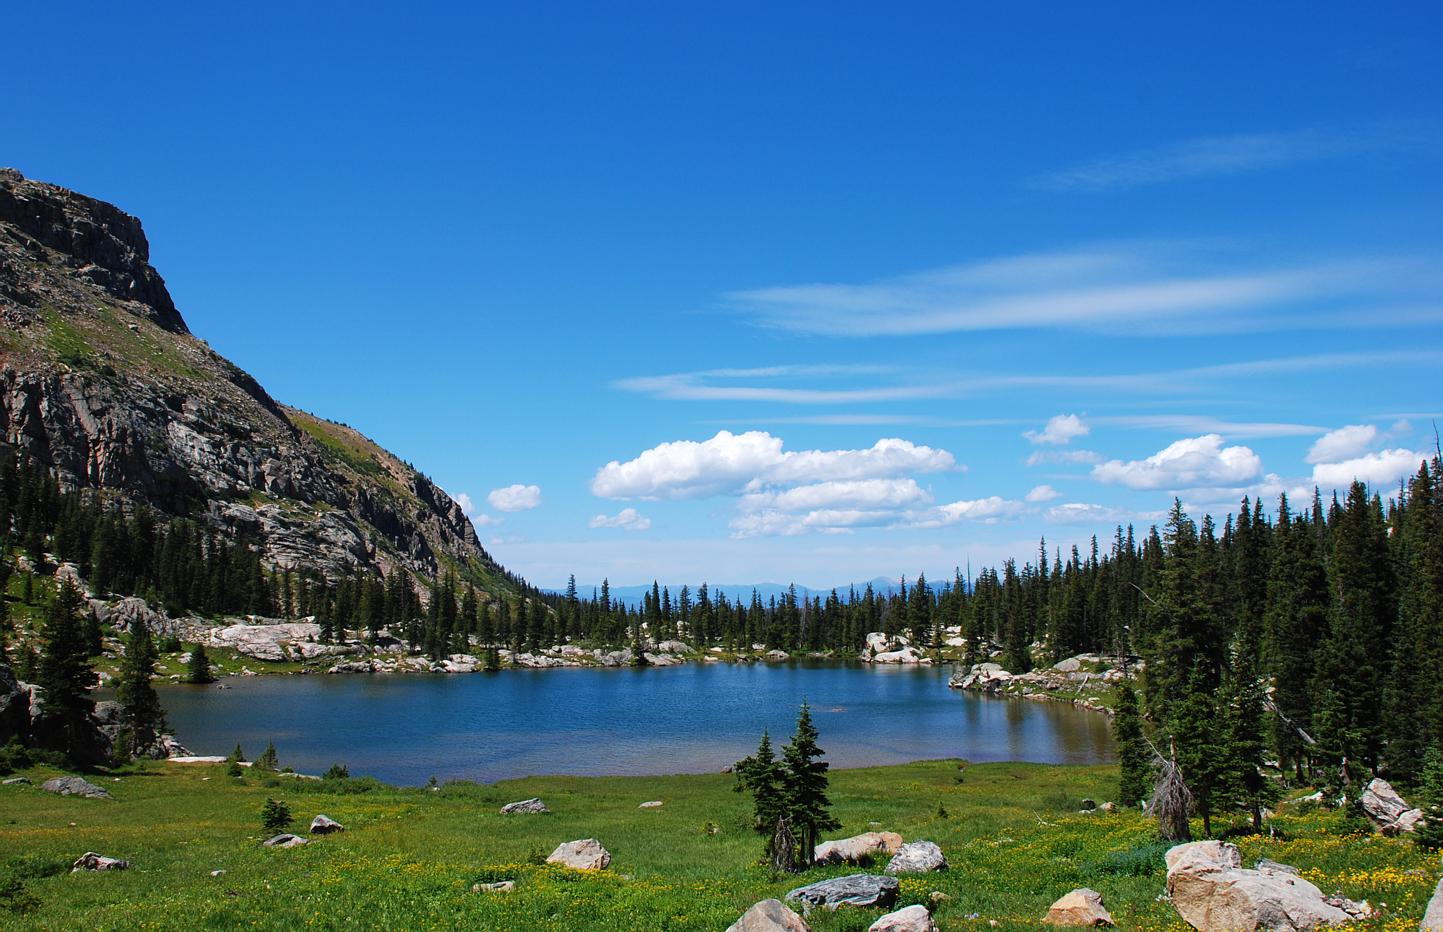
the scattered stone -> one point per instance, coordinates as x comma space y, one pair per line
852, 890
1079, 908
938, 897
909, 919
1387, 810
1089, 804
1433, 917
285, 840
500, 886
858, 848
917, 857
584, 855
769, 916
325, 825
217, 873
777, 655
75, 786
1213, 892
90, 861
1108, 807
534, 804
16, 781
650, 804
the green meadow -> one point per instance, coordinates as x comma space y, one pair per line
409, 857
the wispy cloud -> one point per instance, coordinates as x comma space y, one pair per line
1105, 287
1227, 155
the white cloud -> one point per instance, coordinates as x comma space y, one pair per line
1043, 493
1343, 443
1185, 464
981, 509
481, 519
729, 463
1083, 513
467, 506
627, 519
516, 497
1061, 429
478, 517
1381, 469
856, 493
1224, 155
1039, 457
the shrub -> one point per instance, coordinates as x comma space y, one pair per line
337, 772
1142, 861
14, 756
275, 816
268, 760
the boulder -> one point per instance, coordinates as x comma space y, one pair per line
500, 886
90, 861
584, 855
1387, 810
673, 647
1079, 908
908, 919
777, 655
769, 916
917, 857
878, 642
272, 641
903, 655
858, 848
534, 804
285, 840
650, 804
325, 825
852, 890
1433, 915
986, 677
15, 781
1213, 892
75, 786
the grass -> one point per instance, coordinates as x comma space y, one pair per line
342, 443
410, 856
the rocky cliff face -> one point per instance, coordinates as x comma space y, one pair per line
101, 380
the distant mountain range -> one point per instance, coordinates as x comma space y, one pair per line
633, 595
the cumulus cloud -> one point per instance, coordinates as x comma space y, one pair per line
1084, 513
1384, 468
516, 497
1062, 429
980, 509
478, 517
1043, 493
1343, 443
752, 461
627, 519
1185, 464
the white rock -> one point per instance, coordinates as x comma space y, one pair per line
90, 861
285, 840
534, 804
586, 854
858, 847
1433, 916
769, 916
917, 857
1387, 810
650, 804
909, 919
1213, 892
325, 825
1082, 907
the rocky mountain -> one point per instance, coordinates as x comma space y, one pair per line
101, 379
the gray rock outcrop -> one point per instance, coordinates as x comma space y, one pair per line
91, 861
852, 890
1433, 915
1388, 811
534, 804
285, 840
325, 825
75, 786
917, 857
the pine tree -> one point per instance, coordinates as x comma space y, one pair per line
1429, 834
198, 669
808, 808
1133, 754
275, 815
268, 760
1200, 733
142, 718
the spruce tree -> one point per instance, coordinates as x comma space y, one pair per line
64, 670
1200, 733
808, 808
142, 718
1133, 755
198, 669
761, 775
268, 760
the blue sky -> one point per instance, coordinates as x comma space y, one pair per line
841, 290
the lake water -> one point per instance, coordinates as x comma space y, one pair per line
695, 718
